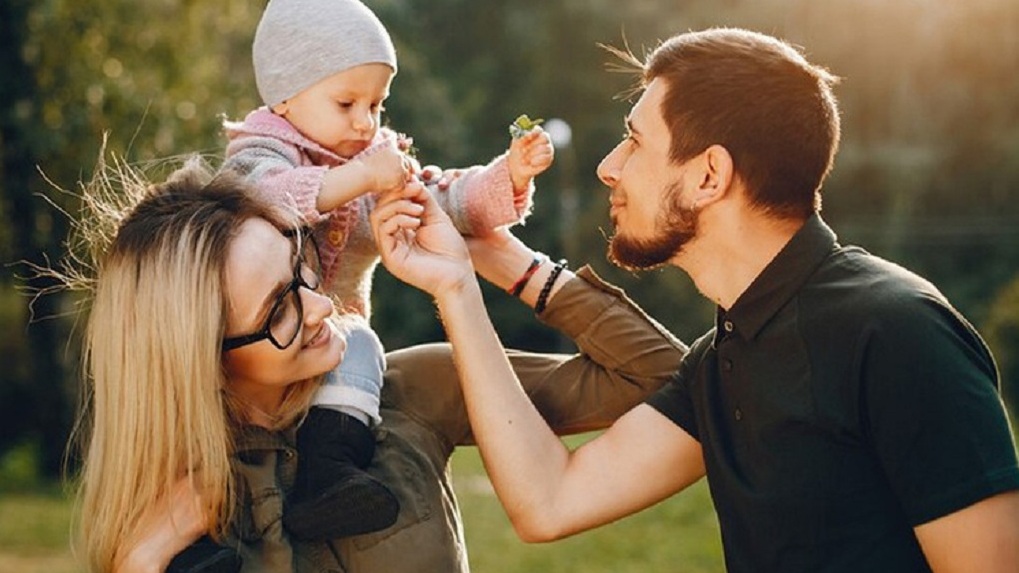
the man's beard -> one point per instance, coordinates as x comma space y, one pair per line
673, 230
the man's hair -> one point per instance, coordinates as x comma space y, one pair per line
758, 97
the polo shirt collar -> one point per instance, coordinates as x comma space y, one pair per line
779, 281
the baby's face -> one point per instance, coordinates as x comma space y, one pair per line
341, 112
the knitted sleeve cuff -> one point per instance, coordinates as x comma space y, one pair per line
490, 201
298, 187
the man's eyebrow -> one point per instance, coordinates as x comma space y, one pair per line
630, 129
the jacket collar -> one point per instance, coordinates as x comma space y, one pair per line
263, 122
249, 437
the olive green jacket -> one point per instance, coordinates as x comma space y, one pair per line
624, 356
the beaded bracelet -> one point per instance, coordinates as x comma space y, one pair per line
518, 287
539, 307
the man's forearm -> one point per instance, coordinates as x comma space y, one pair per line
524, 458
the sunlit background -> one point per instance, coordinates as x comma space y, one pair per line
928, 173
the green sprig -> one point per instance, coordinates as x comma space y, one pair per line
522, 125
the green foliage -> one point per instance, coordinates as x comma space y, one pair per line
19, 468
927, 174
1002, 330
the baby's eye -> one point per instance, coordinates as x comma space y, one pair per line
344, 104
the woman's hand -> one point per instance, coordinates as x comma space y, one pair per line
418, 242
165, 529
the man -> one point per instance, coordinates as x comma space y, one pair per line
846, 416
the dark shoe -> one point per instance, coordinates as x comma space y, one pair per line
205, 556
334, 497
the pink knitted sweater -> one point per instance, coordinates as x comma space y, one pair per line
287, 168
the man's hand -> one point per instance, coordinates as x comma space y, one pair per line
418, 243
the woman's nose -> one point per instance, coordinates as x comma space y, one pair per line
317, 306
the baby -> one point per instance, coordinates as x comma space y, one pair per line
324, 69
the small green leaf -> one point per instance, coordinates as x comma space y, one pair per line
523, 124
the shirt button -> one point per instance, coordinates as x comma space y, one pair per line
336, 237
738, 414
727, 365
288, 454
727, 325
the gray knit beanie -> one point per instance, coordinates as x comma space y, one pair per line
299, 42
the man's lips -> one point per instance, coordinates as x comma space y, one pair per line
616, 204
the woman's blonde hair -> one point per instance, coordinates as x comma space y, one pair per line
159, 407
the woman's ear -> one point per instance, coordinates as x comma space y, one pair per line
716, 175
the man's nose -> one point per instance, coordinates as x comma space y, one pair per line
608, 169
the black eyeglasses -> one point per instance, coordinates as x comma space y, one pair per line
287, 313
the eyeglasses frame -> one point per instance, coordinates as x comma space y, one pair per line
265, 332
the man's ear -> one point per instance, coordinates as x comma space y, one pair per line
716, 175
282, 108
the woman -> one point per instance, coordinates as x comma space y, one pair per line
187, 440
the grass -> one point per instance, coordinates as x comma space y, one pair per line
34, 532
679, 535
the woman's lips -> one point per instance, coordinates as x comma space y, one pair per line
321, 337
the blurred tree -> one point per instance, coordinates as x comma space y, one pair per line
33, 394
1002, 328
156, 75
928, 174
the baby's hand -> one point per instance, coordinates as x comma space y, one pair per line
433, 175
388, 168
529, 155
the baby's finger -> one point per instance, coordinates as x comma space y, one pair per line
448, 177
430, 172
536, 136
541, 158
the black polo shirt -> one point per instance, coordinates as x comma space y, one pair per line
840, 402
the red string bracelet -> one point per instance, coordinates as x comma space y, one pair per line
518, 287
